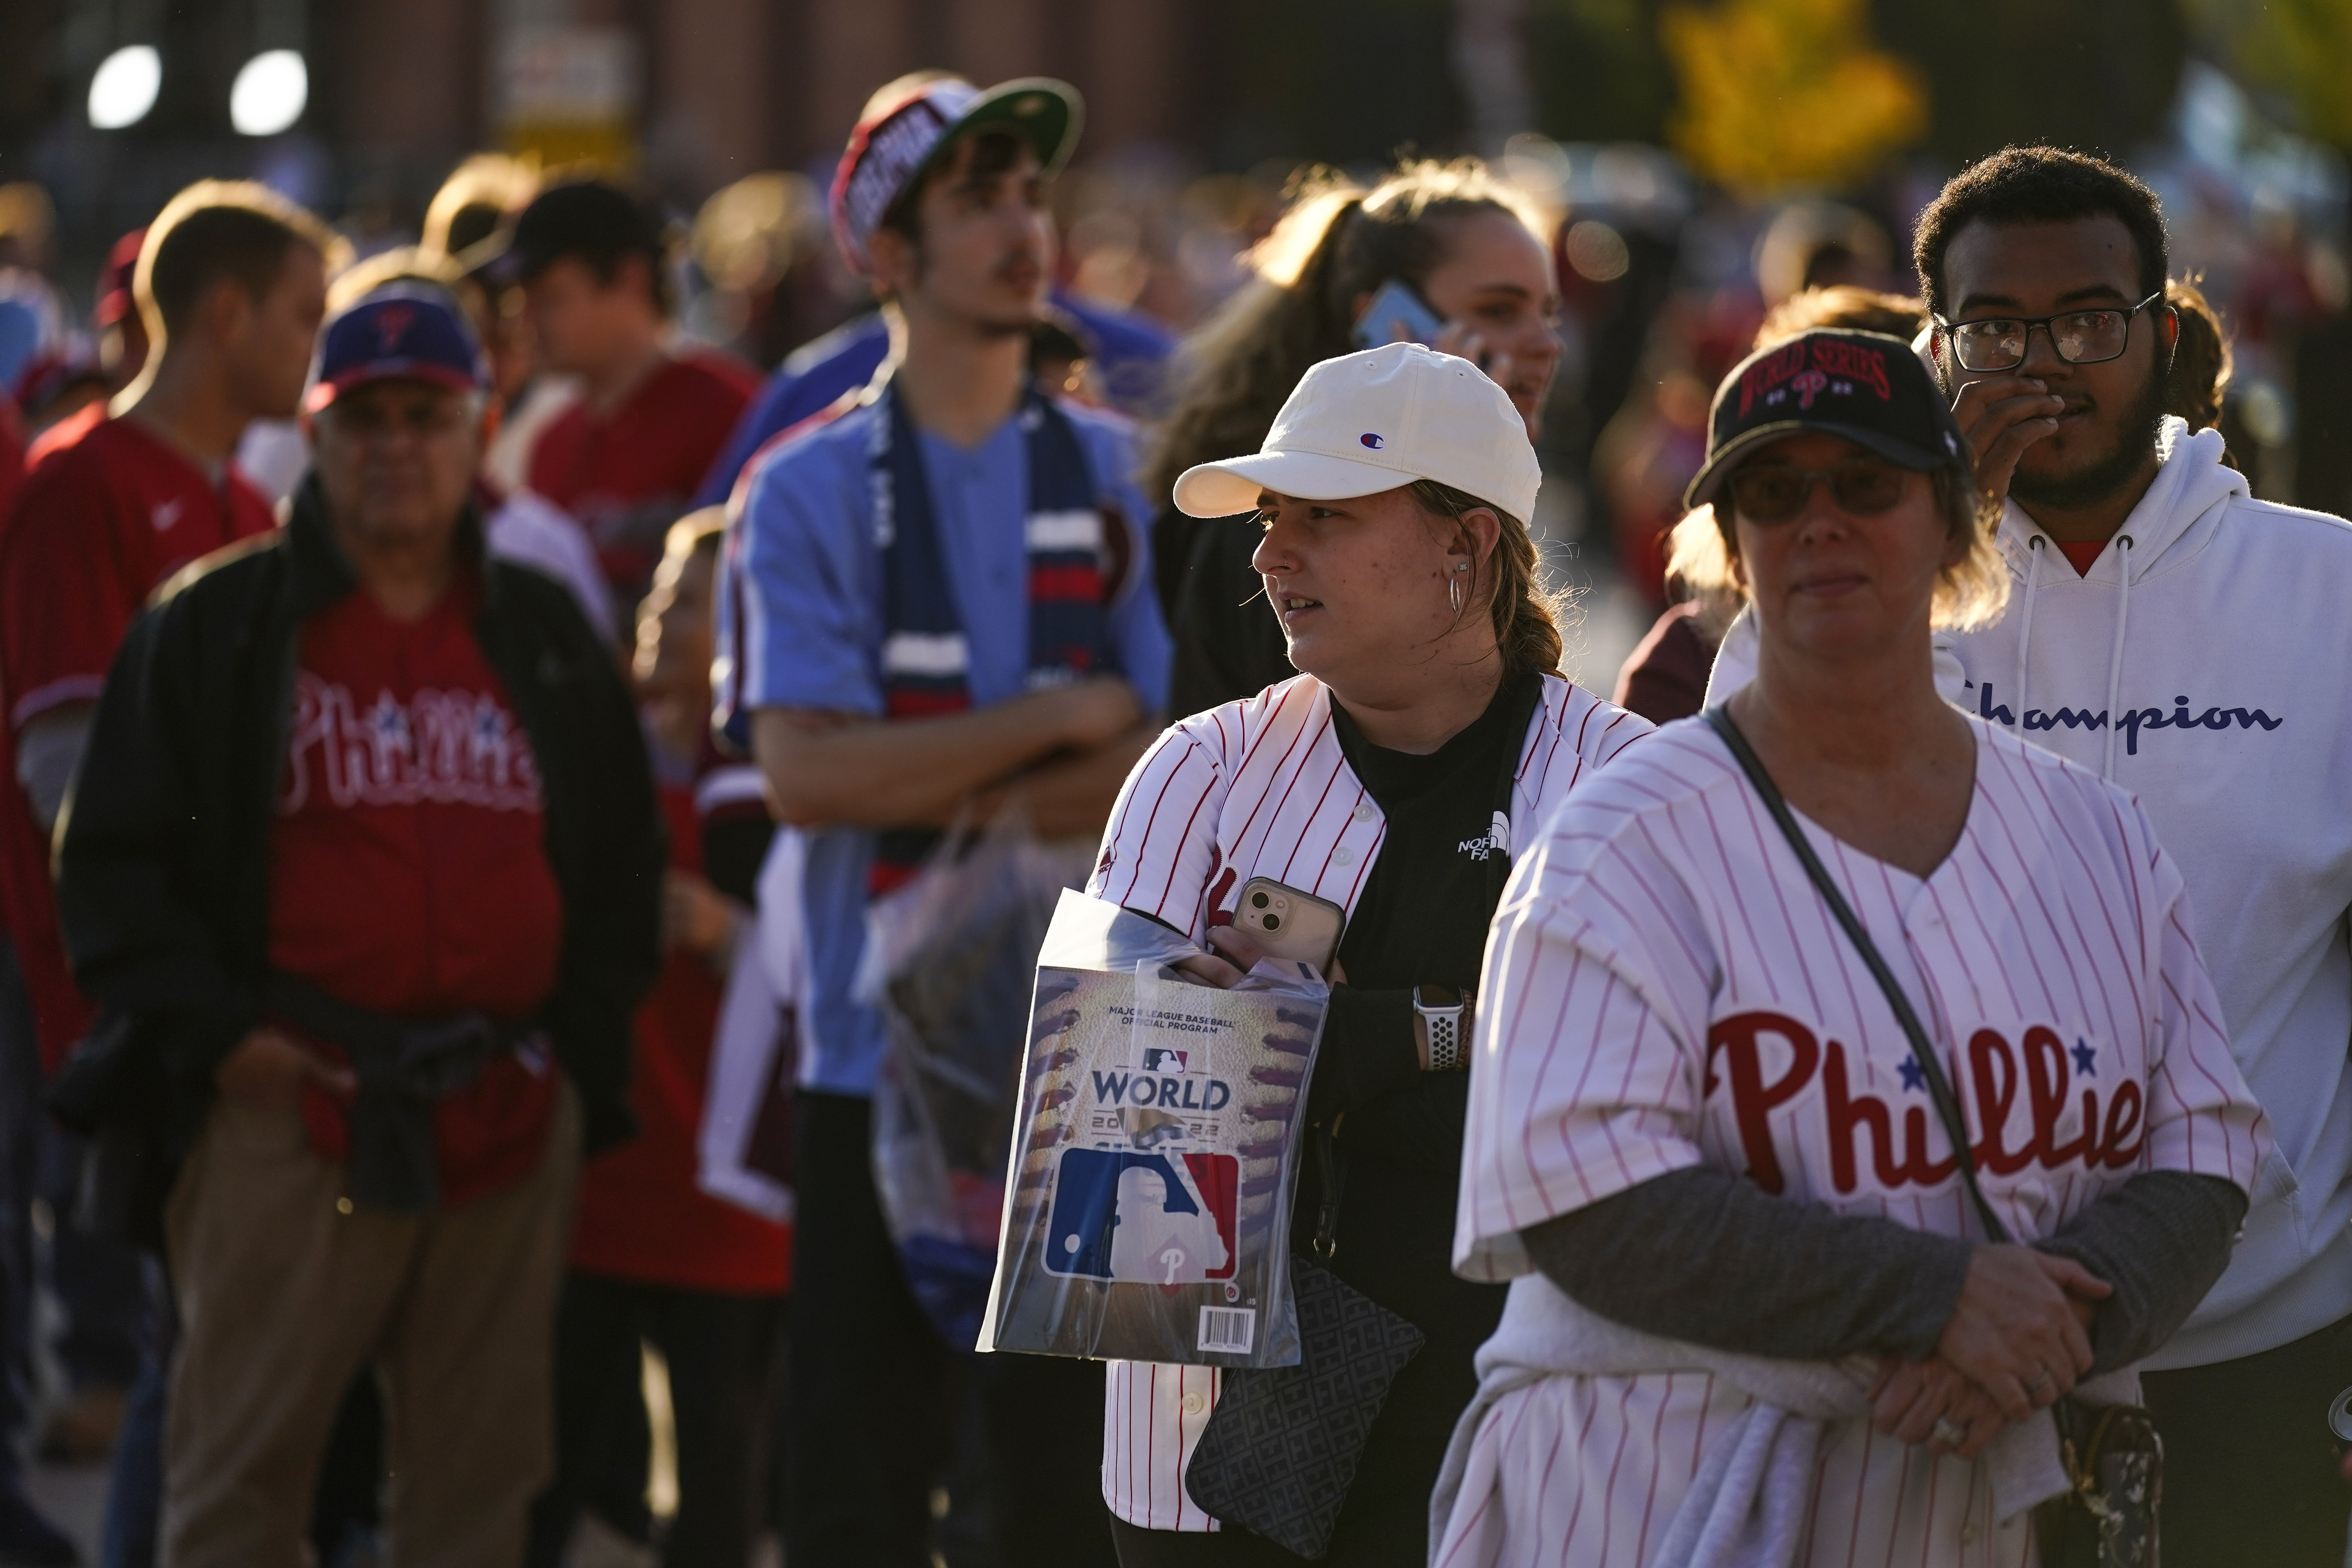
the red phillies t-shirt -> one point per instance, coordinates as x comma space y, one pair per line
628, 475
408, 870
643, 1215
106, 513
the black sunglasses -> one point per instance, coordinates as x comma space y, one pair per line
1775, 492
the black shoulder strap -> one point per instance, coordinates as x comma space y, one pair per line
1525, 705
1931, 1066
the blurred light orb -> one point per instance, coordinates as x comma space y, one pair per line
269, 93
1597, 251
125, 87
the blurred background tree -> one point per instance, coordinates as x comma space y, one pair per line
1598, 70
2099, 75
1779, 93
2298, 52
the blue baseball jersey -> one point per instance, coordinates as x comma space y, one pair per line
800, 625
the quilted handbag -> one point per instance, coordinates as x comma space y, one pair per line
1282, 1444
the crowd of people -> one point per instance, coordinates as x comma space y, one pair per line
1875, 1090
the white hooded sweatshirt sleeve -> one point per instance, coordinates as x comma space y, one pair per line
2202, 665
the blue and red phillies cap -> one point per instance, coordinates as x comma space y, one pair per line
408, 329
904, 132
1865, 386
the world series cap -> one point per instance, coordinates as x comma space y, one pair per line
1376, 420
1865, 386
411, 330
903, 133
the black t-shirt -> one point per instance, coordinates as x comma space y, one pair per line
1421, 920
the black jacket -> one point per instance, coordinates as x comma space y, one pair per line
163, 857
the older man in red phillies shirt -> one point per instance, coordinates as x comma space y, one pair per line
363, 867
626, 459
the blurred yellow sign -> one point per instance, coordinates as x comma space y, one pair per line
568, 93
1779, 93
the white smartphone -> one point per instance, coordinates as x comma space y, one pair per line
1290, 923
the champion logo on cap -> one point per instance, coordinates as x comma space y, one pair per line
1374, 442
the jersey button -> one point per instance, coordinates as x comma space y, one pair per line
1195, 1403
1363, 811
1343, 855
1968, 1535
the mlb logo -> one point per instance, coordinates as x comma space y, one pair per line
1149, 1218
1160, 1058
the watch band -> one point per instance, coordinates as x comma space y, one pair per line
1442, 1012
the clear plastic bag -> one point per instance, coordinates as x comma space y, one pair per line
948, 959
1152, 1188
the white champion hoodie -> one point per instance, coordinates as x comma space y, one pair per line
2205, 664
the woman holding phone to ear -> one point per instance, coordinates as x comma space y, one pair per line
1451, 235
1429, 729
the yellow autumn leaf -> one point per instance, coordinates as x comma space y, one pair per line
1787, 92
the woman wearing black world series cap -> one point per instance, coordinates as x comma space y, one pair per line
1757, 1290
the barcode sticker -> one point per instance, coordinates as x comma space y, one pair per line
1229, 1329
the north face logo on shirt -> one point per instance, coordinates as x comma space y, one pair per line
1497, 840
449, 748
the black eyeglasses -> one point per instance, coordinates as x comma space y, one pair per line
2079, 336
1775, 492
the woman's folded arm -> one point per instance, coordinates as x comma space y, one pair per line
2161, 1239
1703, 1255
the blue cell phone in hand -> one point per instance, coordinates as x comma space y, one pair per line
1397, 305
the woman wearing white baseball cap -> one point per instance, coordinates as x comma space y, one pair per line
1430, 729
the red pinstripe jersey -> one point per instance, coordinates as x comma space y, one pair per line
1261, 787
1663, 989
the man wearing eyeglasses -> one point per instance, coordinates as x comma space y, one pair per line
2171, 632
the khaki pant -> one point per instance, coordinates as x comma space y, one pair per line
284, 1297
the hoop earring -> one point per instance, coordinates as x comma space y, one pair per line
1454, 587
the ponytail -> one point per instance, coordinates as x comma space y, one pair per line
1526, 617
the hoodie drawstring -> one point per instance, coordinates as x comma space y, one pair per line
2116, 659
2026, 631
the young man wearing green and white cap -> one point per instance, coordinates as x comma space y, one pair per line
937, 586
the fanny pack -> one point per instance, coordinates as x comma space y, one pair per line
403, 1066
2112, 1455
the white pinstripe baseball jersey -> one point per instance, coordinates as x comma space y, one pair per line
1663, 989
1261, 787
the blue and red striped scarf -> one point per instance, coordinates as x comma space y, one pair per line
926, 660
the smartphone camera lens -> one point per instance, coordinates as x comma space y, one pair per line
1274, 923
1257, 901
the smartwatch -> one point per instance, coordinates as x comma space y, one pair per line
1444, 1013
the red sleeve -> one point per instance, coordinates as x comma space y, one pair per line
67, 593
721, 394
12, 452
553, 469
249, 511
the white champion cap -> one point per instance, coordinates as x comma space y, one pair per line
1374, 421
